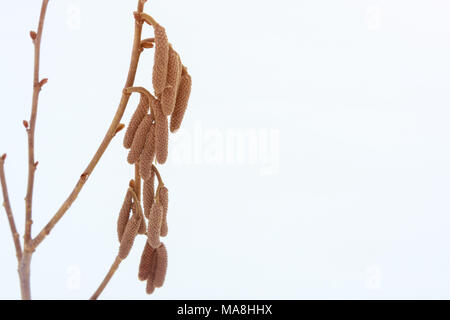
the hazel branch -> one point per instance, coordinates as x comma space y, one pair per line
8, 210
108, 137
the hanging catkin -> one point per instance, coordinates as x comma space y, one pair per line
149, 193
150, 286
154, 225
161, 59
164, 200
139, 139
129, 235
184, 91
145, 266
124, 215
161, 266
169, 94
161, 136
148, 154
136, 119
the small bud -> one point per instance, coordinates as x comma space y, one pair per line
4, 156
33, 35
120, 126
36, 164
25, 124
42, 82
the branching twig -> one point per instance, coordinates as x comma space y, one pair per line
24, 267
8, 210
109, 135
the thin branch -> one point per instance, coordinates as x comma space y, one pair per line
8, 210
108, 277
37, 85
109, 135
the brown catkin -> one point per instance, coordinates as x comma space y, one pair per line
154, 225
139, 139
161, 266
161, 136
184, 91
149, 193
148, 154
161, 59
124, 215
146, 266
169, 94
136, 119
164, 200
129, 235
150, 287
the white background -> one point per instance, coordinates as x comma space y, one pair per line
346, 195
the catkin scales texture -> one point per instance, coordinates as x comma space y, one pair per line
164, 200
154, 225
148, 154
129, 235
162, 136
161, 59
149, 193
169, 94
139, 139
161, 266
145, 266
184, 91
124, 215
136, 119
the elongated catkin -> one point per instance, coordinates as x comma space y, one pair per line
184, 91
124, 215
129, 235
154, 225
136, 119
161, 136
148, 154
139, 139
161, 59
164, 200
150, 286
149, 193
145, 266
161, 266
169, 94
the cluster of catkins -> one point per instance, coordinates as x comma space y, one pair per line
147, 138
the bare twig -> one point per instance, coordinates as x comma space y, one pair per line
8, 210
108, 277
109, 135
24, 267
